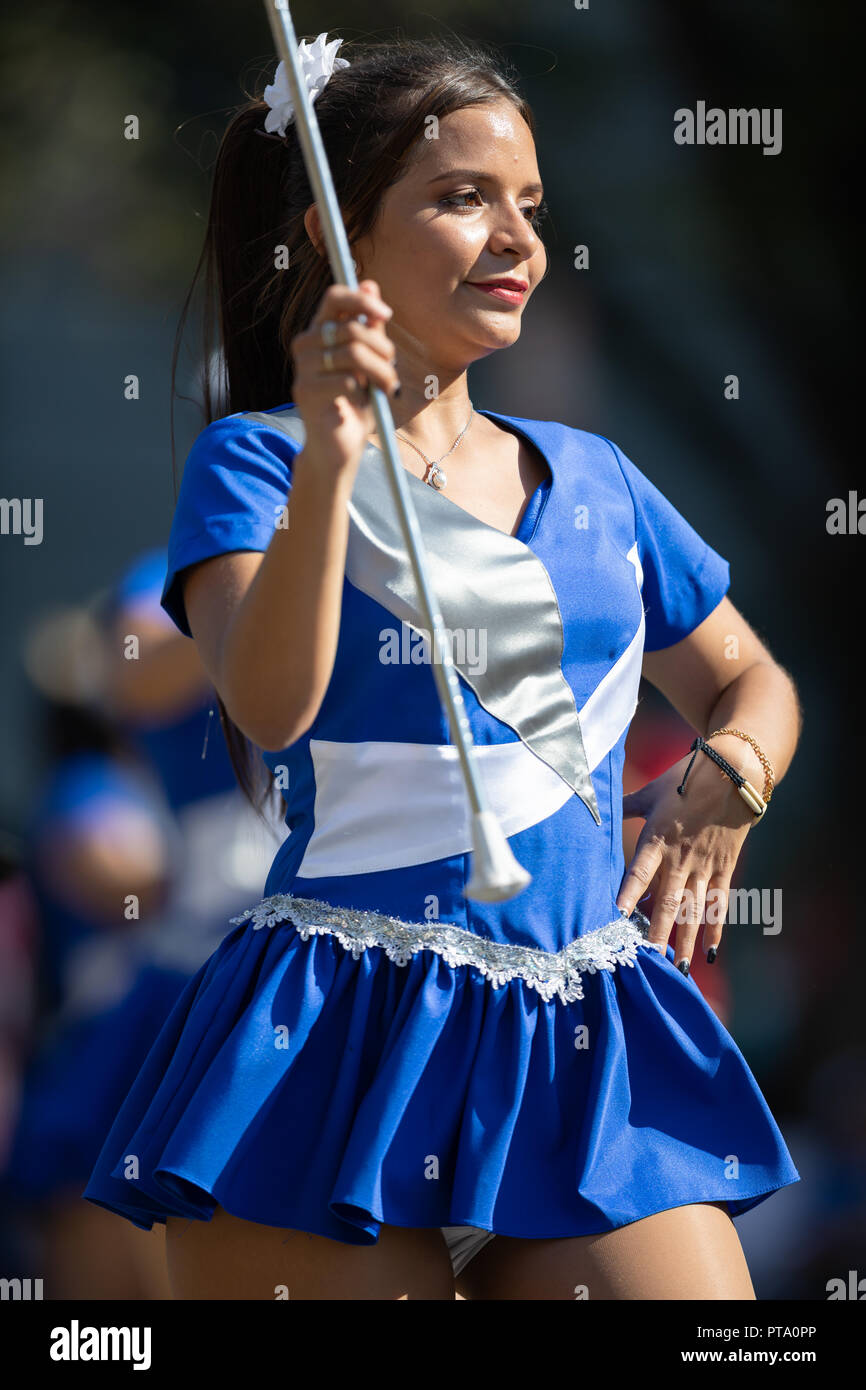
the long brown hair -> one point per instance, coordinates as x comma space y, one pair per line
372, 116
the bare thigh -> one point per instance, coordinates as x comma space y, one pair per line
227, 1258
686, 1252
92, 1254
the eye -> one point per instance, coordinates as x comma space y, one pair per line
535, 213
451, 201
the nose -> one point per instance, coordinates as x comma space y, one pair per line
514, 232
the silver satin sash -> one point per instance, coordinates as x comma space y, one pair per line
482, 578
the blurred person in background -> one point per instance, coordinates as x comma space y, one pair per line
142, 801
96, 850
162, 698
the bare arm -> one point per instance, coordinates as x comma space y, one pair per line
721, 675
266, 624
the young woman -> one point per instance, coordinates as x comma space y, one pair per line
376, 1084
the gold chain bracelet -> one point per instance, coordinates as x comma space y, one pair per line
769, 774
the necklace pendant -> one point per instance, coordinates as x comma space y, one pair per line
438, 477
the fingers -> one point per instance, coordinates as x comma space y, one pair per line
640, 873
340, 302
666, 905
369, 362
360, 354
700, 902
716, 913
682, 895
689, 915
352, 331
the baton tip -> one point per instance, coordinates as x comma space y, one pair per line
496, 875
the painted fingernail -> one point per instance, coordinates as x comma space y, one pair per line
711, 955
683, 966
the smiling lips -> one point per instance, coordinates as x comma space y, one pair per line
508, 290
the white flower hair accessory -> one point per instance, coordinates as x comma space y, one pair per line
318, 60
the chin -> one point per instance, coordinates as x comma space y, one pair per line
481, 338
503, 338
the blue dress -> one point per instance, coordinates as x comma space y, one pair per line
367, 1045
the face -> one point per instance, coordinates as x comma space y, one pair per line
462, 213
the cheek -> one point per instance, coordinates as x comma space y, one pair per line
450, 243
426, 261
464, 242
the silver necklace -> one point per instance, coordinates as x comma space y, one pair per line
436, 476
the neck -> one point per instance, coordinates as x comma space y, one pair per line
430, 422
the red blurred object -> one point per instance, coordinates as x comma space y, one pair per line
19, 936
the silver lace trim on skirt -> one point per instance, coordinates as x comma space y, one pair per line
550, 973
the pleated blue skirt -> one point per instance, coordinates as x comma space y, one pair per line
304, 1086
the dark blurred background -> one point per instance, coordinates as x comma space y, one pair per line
703, 261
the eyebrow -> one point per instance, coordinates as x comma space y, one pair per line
481, 177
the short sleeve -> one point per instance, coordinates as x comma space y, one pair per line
235, 485
684, 577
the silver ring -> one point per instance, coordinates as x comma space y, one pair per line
328, 360
330, 329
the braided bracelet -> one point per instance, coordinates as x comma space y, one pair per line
752, 798
769, 774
